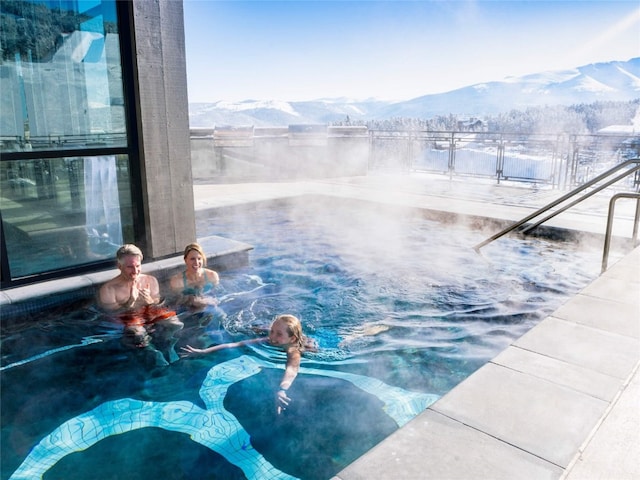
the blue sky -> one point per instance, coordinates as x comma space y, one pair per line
392, 50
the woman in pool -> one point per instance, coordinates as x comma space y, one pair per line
285, 332
193, 286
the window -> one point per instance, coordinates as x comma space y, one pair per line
65, 170
64, 212
61, 76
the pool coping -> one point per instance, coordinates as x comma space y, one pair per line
222, 254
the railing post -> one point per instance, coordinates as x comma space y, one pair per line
452, 155
556, 162
636, 220
371, 152
500, 160
409, 162
572, 165
607, 236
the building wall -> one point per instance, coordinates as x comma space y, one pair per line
164, 126
204, 161
257, 155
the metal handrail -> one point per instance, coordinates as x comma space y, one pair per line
572, 193
607, 237
575, 202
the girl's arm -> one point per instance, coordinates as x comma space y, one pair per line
291, 370
290, 374
189, 350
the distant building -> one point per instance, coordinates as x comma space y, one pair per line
624, 139
619, 130
471, 125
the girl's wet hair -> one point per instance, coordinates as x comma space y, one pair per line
195, 247
294, 328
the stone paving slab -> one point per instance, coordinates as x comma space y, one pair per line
629, 270
613, 453
438, 447
605, 314
543, 418
588, 347
621, 289
584, 380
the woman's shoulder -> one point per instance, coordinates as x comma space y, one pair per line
211, 275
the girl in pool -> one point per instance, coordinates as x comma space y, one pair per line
285, 332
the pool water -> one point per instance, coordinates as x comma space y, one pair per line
448, 309
401, 305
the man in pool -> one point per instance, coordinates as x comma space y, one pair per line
133, 299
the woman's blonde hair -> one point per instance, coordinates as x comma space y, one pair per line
197, 248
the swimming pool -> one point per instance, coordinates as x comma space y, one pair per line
73, 401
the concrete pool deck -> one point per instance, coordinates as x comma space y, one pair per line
562, 402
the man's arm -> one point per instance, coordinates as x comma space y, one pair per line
145, 291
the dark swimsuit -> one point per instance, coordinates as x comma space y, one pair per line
204, 315
197, 291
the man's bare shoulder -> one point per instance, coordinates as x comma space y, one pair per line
115, 282
147, 278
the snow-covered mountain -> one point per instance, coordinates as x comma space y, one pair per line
278, 113
610, 81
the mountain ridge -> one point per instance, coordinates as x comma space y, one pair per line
603, 81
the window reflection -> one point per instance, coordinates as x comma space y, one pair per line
60, 76
64, 212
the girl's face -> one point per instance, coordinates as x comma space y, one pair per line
278, 334
194, 260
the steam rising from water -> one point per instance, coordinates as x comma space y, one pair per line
352, 268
